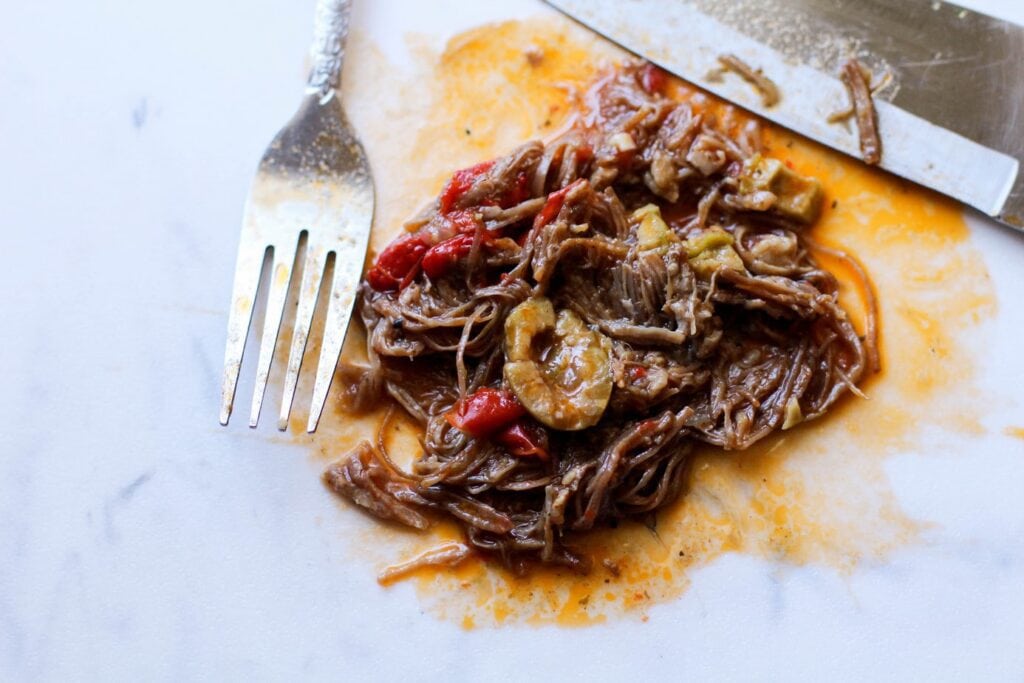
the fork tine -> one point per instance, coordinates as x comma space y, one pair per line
280, 276
243, 299
339, 311
312, 275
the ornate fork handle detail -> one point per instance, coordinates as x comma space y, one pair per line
329, 34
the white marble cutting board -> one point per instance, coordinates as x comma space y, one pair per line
141, 541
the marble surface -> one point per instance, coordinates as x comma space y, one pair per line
141, 541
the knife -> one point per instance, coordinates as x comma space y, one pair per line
952, 120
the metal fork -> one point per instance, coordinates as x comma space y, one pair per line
314, 179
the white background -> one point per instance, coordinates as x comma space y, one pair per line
139, 540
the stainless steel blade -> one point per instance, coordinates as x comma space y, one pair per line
952, 121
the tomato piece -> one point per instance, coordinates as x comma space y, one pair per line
653, 79
440, 258
584, 153
554, 204
485, 412
397, 264
460, 184
524, 439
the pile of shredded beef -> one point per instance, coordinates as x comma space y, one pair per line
569, 321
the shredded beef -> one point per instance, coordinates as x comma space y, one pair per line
720, 344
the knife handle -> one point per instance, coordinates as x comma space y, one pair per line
330, 29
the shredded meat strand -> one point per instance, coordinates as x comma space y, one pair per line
765, 86
449, 554
846, 112
855, 79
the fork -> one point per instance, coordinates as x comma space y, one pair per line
313, 181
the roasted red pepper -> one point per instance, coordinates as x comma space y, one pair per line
440, 258
653, 79
524, 439
397, 264
460, 184
485, 412
554, 205
462, 181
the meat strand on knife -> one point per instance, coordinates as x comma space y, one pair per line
765, 86
854, 77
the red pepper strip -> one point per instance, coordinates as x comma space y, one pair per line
554, 204
637, 372
440, 258
485, 412
460, 183
653, 79
524, 439
397, 264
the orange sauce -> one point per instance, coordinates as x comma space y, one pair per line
815, 494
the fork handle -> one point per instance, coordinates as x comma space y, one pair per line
329, 33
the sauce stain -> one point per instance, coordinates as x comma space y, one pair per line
815, 494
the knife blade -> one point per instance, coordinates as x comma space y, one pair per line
953, 120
